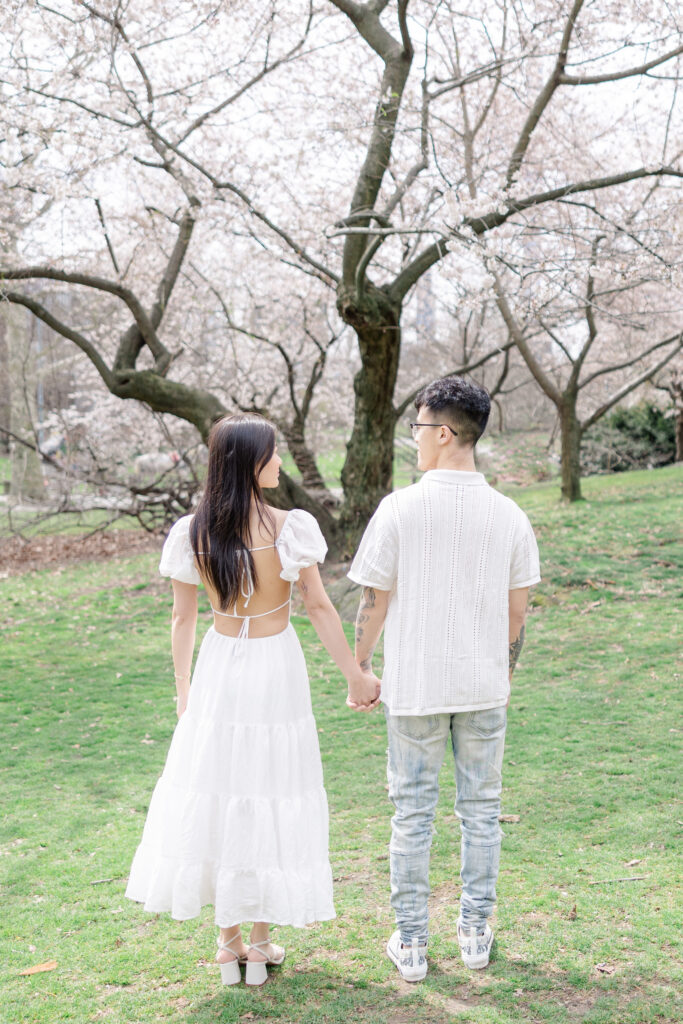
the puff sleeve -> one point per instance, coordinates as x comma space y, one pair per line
524, 564
300, 544
177, 556
376, 561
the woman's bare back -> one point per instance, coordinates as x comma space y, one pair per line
270, 592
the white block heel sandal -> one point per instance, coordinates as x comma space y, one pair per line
230, 971
257, 970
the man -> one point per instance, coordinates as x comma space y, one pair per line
448, 564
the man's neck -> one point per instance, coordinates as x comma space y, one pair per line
461, 461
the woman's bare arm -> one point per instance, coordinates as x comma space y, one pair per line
363, 685
183, 629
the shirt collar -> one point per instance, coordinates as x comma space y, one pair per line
453, 476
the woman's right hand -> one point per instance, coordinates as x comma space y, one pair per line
364, 691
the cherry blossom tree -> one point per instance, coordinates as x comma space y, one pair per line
356, 145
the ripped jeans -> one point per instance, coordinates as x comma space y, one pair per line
417, 744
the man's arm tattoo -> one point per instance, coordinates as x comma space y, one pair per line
515, 649
367, 601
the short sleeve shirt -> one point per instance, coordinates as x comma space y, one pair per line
448, 549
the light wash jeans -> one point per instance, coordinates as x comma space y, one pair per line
417, 744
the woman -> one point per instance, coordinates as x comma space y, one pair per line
238, 818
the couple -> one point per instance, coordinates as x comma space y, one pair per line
238, 818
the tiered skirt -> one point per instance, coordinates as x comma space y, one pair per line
239, 816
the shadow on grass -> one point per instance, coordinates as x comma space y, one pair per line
508, 993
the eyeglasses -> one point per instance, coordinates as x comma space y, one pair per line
414, 427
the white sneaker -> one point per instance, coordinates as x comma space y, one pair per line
475, 947
411, 961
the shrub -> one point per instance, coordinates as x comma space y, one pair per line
639, 437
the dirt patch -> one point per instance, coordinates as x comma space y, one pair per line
52, 551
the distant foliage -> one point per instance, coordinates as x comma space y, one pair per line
637, 438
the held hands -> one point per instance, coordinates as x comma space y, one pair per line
364, 691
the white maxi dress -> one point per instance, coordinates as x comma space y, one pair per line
239, 817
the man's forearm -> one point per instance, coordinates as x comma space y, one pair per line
369, 622
515, 649
518, 600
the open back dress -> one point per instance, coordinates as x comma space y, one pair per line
239, 816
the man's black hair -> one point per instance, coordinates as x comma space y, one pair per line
464, 405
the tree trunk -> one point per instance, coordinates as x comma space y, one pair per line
570, 431
304, 460
368, 468
675, 389
26, 471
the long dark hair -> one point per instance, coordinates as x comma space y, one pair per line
239, 448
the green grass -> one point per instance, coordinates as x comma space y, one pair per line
591, 768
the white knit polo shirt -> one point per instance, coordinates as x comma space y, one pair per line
449, 549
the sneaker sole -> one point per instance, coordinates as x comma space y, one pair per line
476, 964
415, 975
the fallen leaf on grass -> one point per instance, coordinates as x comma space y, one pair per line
509, 819
605, 968
49, 965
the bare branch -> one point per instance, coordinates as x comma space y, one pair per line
467, 368
265, 70
615, 76
100, 214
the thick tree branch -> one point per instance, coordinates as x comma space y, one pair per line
486, 222
132, 340
55, 324
589, 312
628, 362
517, 334
544, 97
615, 76
102, 284
421, 165
632, 385
397, 59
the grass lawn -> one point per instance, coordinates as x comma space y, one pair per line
587, 924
